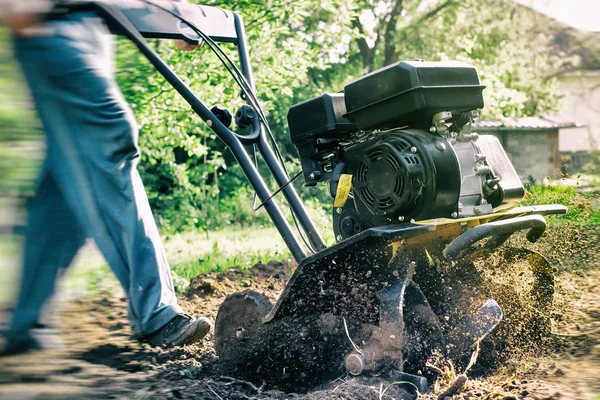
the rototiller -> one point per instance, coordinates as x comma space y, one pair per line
417, 196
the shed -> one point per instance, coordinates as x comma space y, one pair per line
531, 144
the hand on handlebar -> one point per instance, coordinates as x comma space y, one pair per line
18, 23
182, 44
20, 16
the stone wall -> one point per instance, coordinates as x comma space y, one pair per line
581, 104
533, 152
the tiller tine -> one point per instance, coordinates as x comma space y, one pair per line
474, 328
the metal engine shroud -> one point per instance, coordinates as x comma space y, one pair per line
428, 165
412, 174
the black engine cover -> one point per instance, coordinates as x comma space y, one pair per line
402, 175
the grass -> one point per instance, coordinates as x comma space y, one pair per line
9, 259
189, 254
192, 254
583, 203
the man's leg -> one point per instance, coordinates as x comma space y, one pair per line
94, 159
52, 240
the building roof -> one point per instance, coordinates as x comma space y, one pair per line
522, 124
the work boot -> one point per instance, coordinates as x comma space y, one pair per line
40, 337
14, 345
181, 330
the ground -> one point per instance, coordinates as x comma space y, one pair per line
99, 359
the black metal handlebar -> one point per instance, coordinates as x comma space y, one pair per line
498, 232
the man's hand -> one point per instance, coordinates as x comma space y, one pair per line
185, 46
18, 22
182, 44
21, 15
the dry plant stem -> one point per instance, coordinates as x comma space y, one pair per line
461, 379
400, 383
234, 380
337, 387
433, 367
358, 350
458, 383
215, 393
473, 358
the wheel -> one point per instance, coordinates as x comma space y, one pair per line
237, 327
292, 352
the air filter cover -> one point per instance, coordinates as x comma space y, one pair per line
412, 91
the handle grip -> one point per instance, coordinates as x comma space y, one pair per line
499, 231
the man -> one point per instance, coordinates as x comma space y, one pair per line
89, 185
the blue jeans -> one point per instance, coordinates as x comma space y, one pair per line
89, 184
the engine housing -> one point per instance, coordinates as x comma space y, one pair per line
403, 175
407, 145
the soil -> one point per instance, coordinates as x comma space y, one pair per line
100, 359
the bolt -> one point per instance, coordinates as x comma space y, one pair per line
355, 364
312, 176
413, 150
454, 214
460, 205
483, 202
482, 170
209, 123
401, 218
440, 146
338, 210
433, 129
339, 238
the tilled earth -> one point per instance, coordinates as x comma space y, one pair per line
99, 359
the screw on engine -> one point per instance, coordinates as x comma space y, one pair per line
355, 364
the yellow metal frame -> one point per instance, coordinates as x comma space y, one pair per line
449, 228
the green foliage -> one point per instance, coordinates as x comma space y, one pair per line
20, 147
581, 208
191, 177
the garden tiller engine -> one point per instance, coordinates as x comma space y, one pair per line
418, 197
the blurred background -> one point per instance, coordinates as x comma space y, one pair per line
540, 61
